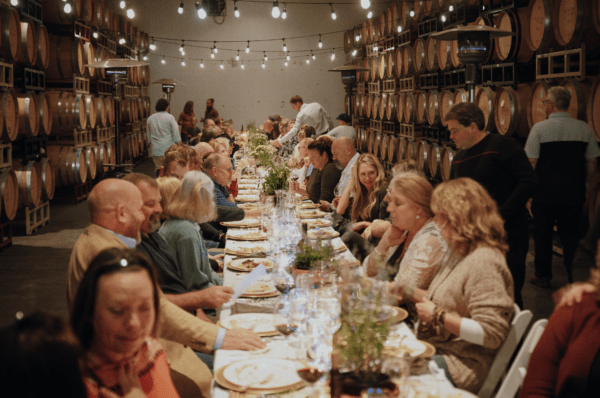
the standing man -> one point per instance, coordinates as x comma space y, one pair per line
344, 129
562, 150
211, 112
162, 132
312, 114
500, 165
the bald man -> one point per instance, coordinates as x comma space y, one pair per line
116, 216
345, 155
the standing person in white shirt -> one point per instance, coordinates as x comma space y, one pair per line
312, 114
344, 129
163, 132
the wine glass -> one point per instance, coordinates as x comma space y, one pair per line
309, 370
282, 317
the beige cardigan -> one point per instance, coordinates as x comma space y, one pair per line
478, 286
178, 330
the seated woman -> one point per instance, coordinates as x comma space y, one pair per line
467, 310
189, 205
412, 249
114, 317
325, 175
566, 359
363, 202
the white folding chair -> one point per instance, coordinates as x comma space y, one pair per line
516, 374
518, 326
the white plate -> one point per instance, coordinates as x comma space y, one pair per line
247, 198
259, 323
237, 263
248, 192
311, 214
246, 223
262, 373
261, 288
414, 347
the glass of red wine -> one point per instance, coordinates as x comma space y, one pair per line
310, 372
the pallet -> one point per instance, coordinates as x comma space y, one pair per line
561, 64
73, 193
5, 234
30, 79
430, 81
508, 74
389, 43
372, 50
78, 139
6, 75
30, 148
361, 89
375, 125
102, 87
36, 217
389, 86
101, 134
358, 121
410, 131
388, 127
131, 91
78, 85
428, 27
455, 78
31, 9
460, 15
5, 155
104, 41
144, 91
405, 38
408, 84
375, 87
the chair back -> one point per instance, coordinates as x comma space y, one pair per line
516, 374
518, 326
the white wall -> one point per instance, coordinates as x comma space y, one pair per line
250, 94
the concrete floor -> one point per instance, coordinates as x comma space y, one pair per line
33, 271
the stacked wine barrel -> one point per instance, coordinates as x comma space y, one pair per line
399, 119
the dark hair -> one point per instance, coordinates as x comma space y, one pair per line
107, 262
466, 113
212, 101
210, 133
161, 105
40, 355
276, 131
322, 145
309, 131
296, 99
188, 107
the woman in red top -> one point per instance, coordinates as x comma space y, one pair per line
187, 120
115, 318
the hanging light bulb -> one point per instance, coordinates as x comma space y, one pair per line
375, 47
181, 46
122, 41
248, 48
182, 62
183, 53
320, 42
285, 63
365, 4
313, 55
333, 16
145, 58
201, 64
212, 55
67, 8
130, 12
200, 10
443, 18
307, 60
482, 8
236, 12
14, 2
122, 4
163, 61
263, 64
353, 53
275, 13
451, 8
412, 13
332, 55
288, 56
399, 29
237, 57
152, 45
265, 56
370, 14
216, 50
179, 10
284, 46
284, 13
222, 67
95, 35
357, 38
242, 64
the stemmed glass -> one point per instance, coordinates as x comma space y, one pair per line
282, 317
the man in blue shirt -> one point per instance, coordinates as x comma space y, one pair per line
163, 132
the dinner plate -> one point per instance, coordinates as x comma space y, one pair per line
311, 214
247, 251
238, 263
247, 236
248, 192
248, 181
261, 324
246, 186
246, 223
398, 348
322, 234
260, 288
308, 206
339, 248
247, 198
248, 206
263, 373
321, 223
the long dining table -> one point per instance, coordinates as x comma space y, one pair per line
277, 347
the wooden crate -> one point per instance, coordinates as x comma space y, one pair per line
6, 75
77, 85
78, 139
5, 155
561, 64
410, 131
73, 193
101, 134
36, 217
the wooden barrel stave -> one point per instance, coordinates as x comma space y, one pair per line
422, 152
431, 55
433, 111
28, 54
593, 108
46, 172
70, 165
421, 115
9, 194
390, 107
446, 163
42, 47
382, 106
485, 100
28, 114
10, 116
29, 183
90, 162
398, 69
435, 160
10, 40
539, 93
447, 102
510, 110
419, 56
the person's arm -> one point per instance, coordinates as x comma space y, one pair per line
328, 118
329, 179
518, 166
226, 213
533, 162
211, 297
378, 257
378, 228
592, 166
210, 233
174, 130
294, 131
345, 198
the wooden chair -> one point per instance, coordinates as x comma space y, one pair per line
516, 374
519, 324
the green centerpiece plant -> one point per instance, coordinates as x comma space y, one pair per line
307, 255
266, 156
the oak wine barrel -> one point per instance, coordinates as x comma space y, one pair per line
514, 47
429, 9
421, 100
382, 25
10, 116
358, 34
9, 194
367, 72
382, 67
101, 115
89, 57
370, 141
46, 172
86, 11
70, 165
348, 41
367, 31
374, 28
492, 56
53, 11
101, 156
390, 107
91, 110
68, 111
369, 108
391, 19
398, 69
485, 100
378, 144
390, 65
444, 55
110, 110
541, 32
580, 92
593, 108
100, 20
10, 39
511, 108
28, 114
66, 57
399, 107
539, 94
434, 105
361, 104
374, 68
423, 157
408, 66
90, 161
356, 104
29, 182
28, 53
435, 160
375, 107
419, 59
431, 54
358, 138
446, 163
410, 150
111, 152
383, 106
392, 148
447, 102
573, 24
410, 107
144, 75
456, 63
406, 21
400, 154
42, 47
460, 96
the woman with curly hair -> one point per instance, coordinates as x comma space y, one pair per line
187, 121
467, 309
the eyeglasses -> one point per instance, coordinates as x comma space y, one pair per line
545, 101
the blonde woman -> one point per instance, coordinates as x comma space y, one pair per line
186, 206
467, 309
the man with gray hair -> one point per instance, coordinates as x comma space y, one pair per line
562, 150
202, 149
210, 134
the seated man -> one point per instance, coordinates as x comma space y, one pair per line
202, 149
116, 216
209, 134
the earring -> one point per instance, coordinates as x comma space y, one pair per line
418, 216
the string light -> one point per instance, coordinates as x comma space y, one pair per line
181, 46
236, 12
354, 53
130, 12
265, 54
222, 67
332, 55
285, 63
399, 29
95, 35
370, 14
275, 11
333, 16
263, 64
67, 8
14, 2
152, 45
145, 58
451, 8
284, 46
284, 13
122, 4
287, 58
307, 60
215, 45
179, 10
248, 48
237, 57
320, 42
443, 18
242, 64
412, 13
183, 53
365, 4
313, 55
182, 62
201, 11
122, 41
201, 63
163, 61
212, 53
357, 38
